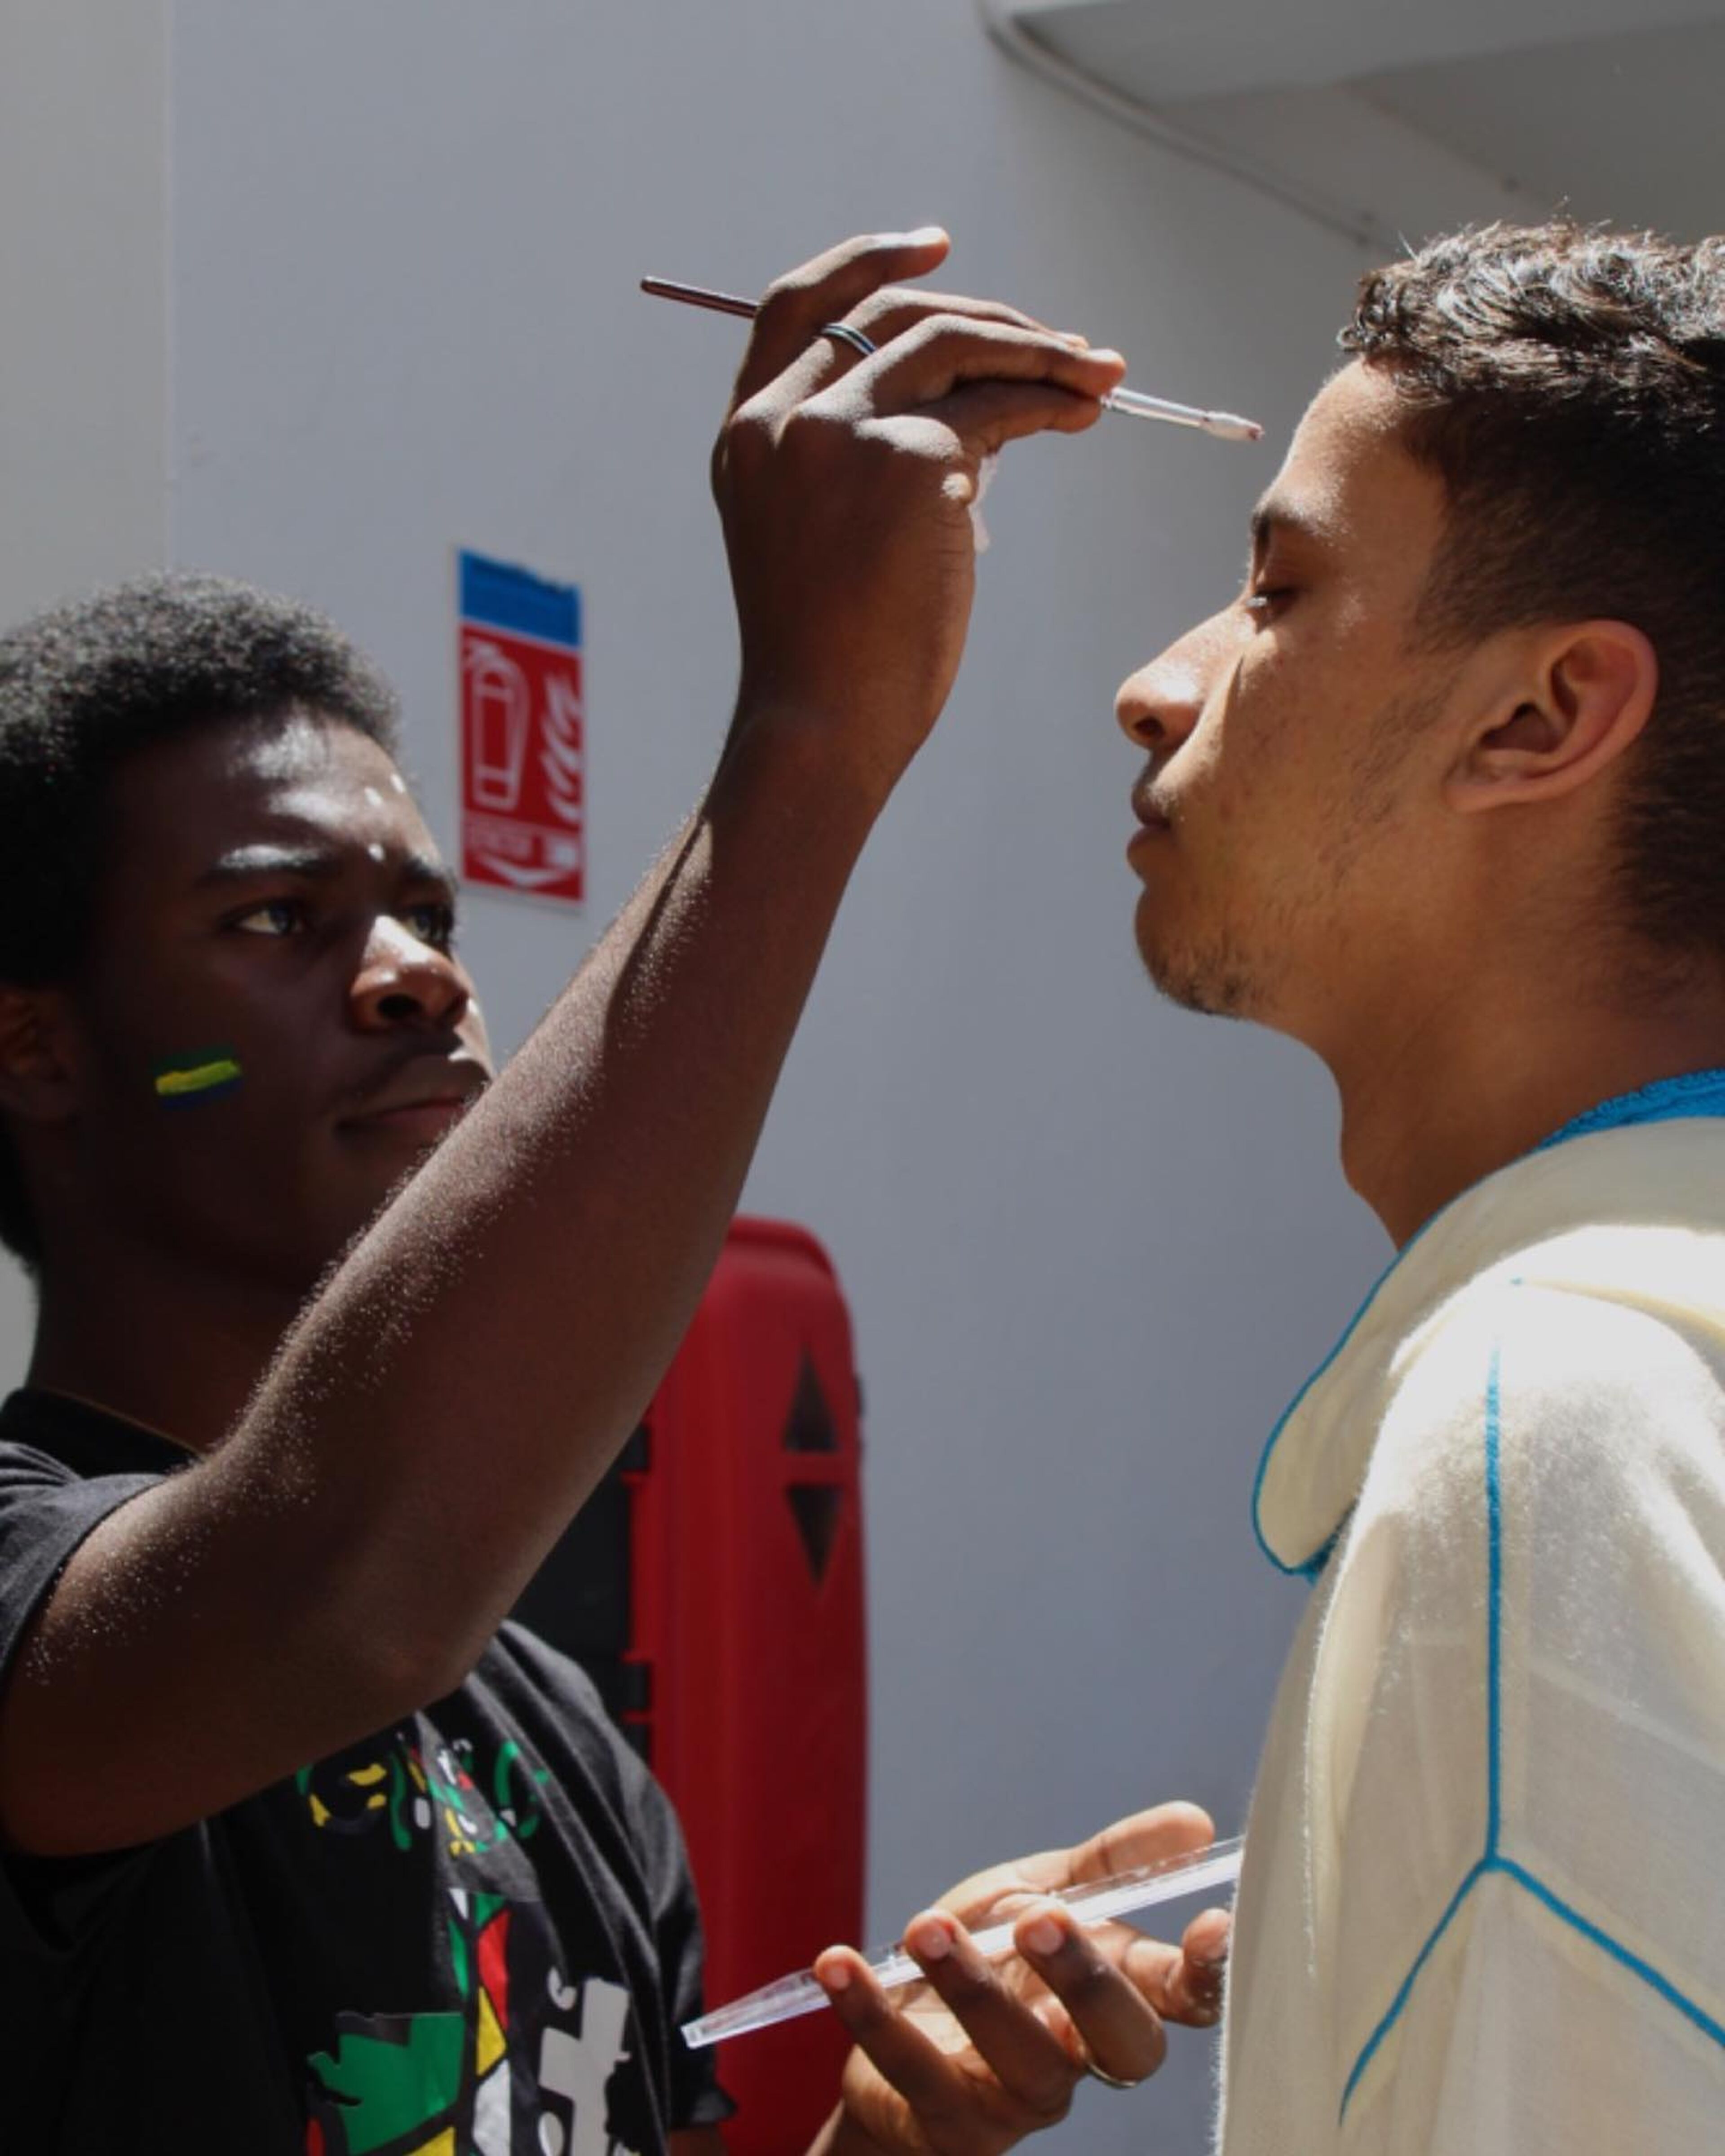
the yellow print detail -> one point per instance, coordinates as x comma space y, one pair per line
444, 1792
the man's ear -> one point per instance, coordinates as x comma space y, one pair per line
35, 1071
1577, 696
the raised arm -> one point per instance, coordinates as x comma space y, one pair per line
453, 1394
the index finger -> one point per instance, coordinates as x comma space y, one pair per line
1145, 1837
795, 305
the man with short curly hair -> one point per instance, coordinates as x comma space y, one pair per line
1441, 794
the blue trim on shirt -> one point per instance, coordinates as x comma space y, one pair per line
1494, 1599
1667, 1101
1315, 1563
1697, 1093
1400, 2000
1649, 1975
1507, 1868
1493, 1860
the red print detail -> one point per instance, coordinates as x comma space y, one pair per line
494, 1965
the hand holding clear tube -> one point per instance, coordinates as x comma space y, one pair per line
1097, 1901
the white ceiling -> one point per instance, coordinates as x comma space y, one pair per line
1610, 108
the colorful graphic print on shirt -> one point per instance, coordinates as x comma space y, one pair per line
522, 2070
400, 1789
522, 2067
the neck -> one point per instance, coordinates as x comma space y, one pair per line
178, 1347
1433, 1100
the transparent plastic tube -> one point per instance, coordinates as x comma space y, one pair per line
1098, 1902
1226, 426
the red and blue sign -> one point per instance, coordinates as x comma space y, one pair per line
523, 731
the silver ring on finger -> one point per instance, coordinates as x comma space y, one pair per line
845, 335
1110, 2081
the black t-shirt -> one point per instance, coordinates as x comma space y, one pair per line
475, 1935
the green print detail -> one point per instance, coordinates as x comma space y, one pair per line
475, 1827
198, 1076
399, 1832
524, 2064
526, 1819
416, 1794
387, 2088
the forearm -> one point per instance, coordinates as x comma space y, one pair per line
528, 1288
524, 1292
456, 1388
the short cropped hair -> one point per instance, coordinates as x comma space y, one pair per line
88, 683
1568, 385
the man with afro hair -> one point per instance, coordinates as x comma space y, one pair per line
302, 1847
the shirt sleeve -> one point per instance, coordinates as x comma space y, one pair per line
48, 1905
1529, 1953
45, 1513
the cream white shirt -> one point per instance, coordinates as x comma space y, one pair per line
1483, 1906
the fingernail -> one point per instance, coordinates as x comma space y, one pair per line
836, 1977
1043, 1936
925, 235
930, 1939
1071, 337
1216, 1957
1107, 355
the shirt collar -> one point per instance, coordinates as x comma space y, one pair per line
91, 1440
1604, 1165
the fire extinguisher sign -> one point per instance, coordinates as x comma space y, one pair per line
523, 738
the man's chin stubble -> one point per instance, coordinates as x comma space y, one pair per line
1212, 982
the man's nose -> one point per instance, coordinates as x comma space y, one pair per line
404, 981
1158, 707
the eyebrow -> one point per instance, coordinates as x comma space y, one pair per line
313, 863
1273, 514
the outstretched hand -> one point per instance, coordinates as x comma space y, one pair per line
979, 2056
846, 480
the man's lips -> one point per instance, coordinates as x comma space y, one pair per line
422, 1121
1154, 822
1148, 810
421, 1098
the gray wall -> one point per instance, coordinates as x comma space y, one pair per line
84, 271
1091, 1245
84, 328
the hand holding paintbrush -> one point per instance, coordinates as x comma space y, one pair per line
845, 478
1226, 426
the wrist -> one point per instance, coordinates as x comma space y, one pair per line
842, 2136
807, 762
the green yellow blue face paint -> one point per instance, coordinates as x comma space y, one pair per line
183, 1081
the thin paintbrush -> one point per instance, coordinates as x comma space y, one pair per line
1227, 426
